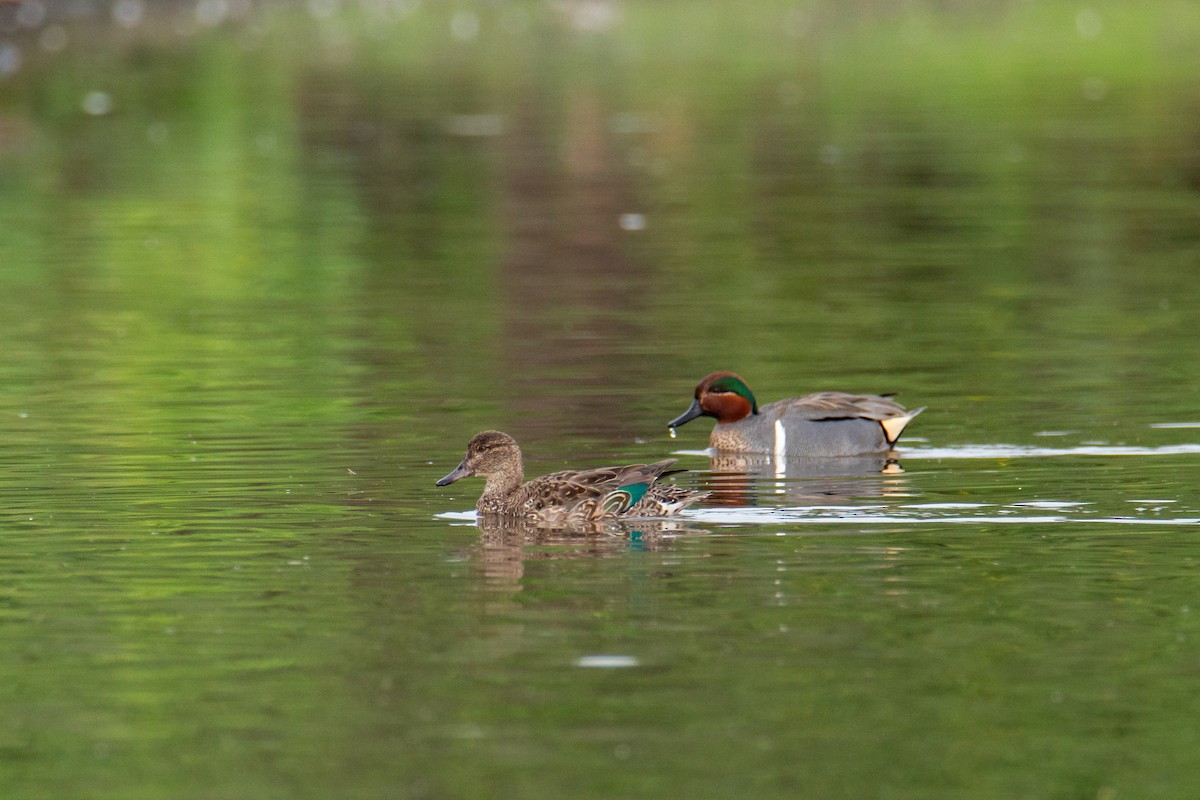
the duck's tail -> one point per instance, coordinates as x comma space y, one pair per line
894, 426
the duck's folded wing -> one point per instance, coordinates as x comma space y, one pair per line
830, 406
595, 492
842, 405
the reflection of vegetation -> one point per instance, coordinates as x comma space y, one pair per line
998, 190
860, 184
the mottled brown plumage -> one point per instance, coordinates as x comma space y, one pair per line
567, 496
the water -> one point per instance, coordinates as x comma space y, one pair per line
257, 301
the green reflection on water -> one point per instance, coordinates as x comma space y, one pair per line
253, 312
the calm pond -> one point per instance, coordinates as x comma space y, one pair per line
266, 268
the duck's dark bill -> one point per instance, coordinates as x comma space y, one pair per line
693, 411
459, 472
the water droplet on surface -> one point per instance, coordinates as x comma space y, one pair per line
128, 13
632, 222
1088, 23
830, 154
606, 661
1094, 89
211, 13
323, 9
31, 14
97, 103
53, 38
10, 59
158, 133
464, 25
475, 124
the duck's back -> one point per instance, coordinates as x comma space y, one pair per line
593, 493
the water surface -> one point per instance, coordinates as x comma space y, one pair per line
266, 272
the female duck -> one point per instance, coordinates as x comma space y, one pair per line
569, 496
815, 425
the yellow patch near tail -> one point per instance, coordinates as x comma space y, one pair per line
894, 426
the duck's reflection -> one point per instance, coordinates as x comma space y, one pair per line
741, 479
505, 546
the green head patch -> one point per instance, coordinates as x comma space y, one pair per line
732, 383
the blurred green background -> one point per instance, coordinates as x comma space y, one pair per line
820, 192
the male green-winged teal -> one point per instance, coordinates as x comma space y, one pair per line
815, 425
569, 496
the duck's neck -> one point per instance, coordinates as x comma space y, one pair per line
502, 483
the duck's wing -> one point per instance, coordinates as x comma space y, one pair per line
594, 493
823, 406
843, 405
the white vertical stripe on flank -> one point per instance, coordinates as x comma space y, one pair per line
780, 453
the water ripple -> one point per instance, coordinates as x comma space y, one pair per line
877, 515
1027, 451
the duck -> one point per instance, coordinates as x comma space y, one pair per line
813, 426
570, 496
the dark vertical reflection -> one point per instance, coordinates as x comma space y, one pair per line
564, 289
573, 295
